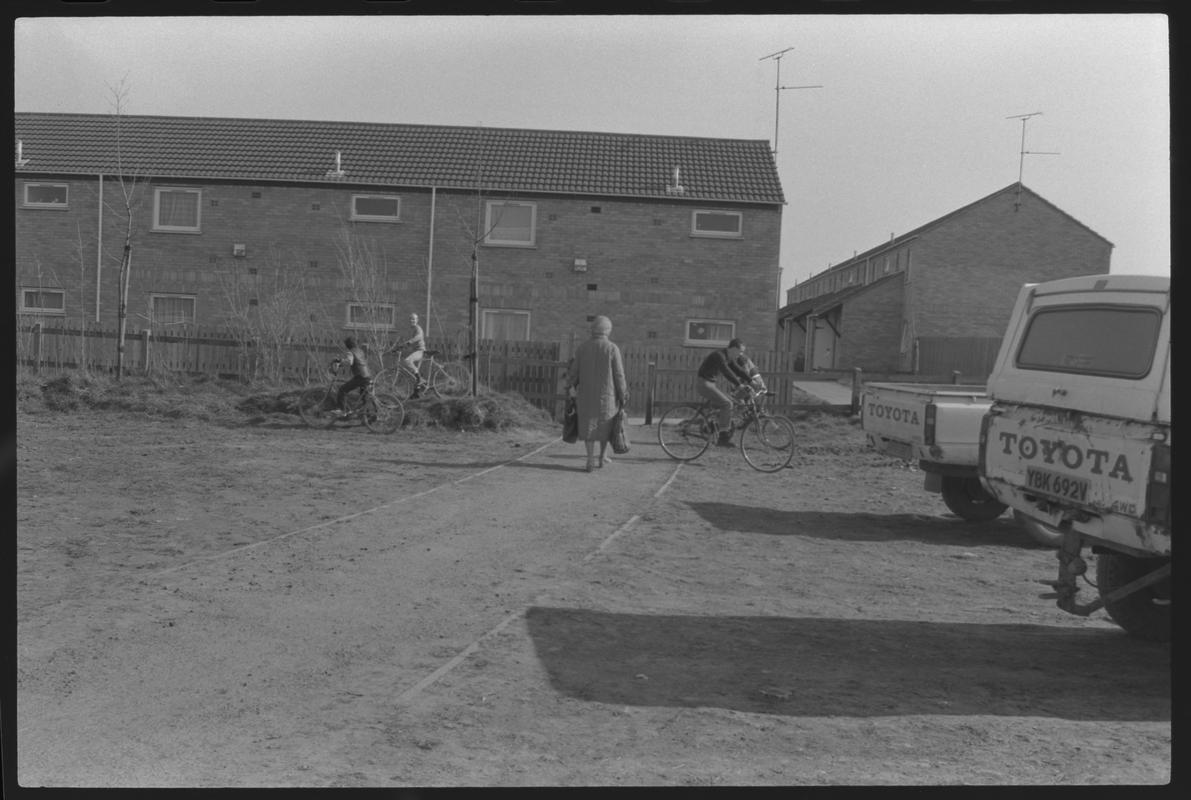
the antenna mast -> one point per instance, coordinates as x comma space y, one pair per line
1024, 152
778, 88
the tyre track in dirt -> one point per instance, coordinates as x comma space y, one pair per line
223, 667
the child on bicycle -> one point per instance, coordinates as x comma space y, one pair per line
415, 347
361, 375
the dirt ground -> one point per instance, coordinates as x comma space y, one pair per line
266, 605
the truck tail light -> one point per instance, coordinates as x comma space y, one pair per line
928, 431
984, 423
1158, 487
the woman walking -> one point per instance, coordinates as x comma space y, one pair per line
597, 374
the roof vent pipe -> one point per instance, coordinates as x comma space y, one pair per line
20, 150
338, 171
676, 187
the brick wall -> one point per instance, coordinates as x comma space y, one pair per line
644, 269
967, 271
871, 327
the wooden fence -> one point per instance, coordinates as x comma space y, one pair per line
969, 355
657, 377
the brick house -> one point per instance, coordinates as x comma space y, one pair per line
348, 226
938, 298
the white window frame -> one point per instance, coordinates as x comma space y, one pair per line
44, 310
713, 234
689, 342
155, 296
27, 203
198, 210
489, 226
485, 328
369, 326
358, 217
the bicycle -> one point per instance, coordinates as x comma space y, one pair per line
451, 377
380, 412
766, 440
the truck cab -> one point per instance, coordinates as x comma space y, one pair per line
1078, 437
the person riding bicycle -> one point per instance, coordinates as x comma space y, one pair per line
723, 362
415, 348
361, 375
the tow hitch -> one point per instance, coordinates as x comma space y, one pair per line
1072, 565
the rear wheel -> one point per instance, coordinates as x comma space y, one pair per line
1144, 614
315, 406
1040, 533
968, 499
403, 384
684, 433
383, 412
453, 378
767, 443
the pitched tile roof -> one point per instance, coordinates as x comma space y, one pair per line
501, 159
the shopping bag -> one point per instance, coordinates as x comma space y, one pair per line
619, 438
570, 422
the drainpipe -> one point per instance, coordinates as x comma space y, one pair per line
430, 260
99, 249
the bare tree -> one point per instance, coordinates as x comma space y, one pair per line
128, 190
270, 310
369, 279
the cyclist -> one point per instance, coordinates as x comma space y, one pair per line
416, 347
723, 362
361, 376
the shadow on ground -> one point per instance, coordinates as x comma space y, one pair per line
810, 667
865, 527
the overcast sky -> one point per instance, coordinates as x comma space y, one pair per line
913, 118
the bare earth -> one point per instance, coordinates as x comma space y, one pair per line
269, 605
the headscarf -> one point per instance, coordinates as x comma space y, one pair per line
601, 326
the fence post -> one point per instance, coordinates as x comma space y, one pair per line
650, 377
37, 347
145, 334
955, 376
855, 390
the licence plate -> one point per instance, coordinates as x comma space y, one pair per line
1051, 483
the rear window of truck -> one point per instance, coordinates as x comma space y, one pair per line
1113, 341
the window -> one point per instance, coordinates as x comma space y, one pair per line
374, 316
176, 210
709, 332
171, 309
1112, 341
376, 208
45, 195
43, 301
510, 223
716, 223
505, 325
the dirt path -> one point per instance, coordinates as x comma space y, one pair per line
274, 606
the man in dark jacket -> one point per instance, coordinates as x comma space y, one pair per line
722, 362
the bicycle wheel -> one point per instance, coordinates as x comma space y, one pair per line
403, 384
767, 443
383, 412
315, 406
684, 433
452, 378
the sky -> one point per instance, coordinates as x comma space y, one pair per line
903, 118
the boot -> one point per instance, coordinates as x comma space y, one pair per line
725, 439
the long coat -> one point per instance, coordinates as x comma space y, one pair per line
597, 372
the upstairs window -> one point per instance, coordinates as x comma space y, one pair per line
721, 224
508, 223
376, 208
171, 309
43, 301
45, 195
709, 332
371, 316
176, 210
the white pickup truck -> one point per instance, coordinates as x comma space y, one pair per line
938, 426
1078, 437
